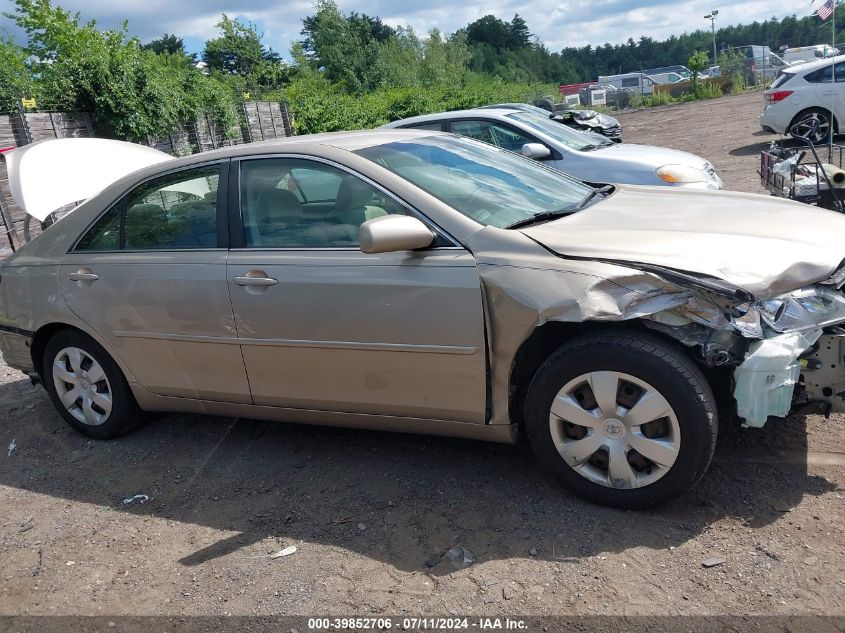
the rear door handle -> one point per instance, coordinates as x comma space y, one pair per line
255, 281
83, 276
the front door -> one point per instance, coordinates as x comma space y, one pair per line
324, 326
150, 278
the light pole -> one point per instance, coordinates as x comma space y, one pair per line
712, 18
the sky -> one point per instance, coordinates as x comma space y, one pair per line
557, 23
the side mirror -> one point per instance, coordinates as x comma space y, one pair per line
537, 151
391, 233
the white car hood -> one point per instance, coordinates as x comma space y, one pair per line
653, 156
51, 174
762, 244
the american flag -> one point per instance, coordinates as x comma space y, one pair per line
825, 10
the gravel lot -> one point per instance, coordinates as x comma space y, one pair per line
374, 516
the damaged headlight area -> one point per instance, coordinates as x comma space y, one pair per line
766, 342
804, 309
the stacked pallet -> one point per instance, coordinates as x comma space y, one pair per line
263, 120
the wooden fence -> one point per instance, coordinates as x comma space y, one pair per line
259, 120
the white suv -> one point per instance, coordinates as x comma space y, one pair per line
802, 98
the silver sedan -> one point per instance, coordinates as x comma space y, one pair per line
422, 282
584, 155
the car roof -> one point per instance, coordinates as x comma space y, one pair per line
454, 114
811, 66
349, 141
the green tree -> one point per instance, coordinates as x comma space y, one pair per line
489, 30
520, 36
237, 51
15, 81
167, 43
444, 59
732, 64
346, 49
697, 62
130, 92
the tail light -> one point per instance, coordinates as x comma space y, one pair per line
777, 95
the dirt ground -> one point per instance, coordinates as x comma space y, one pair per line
396, 524
726, 132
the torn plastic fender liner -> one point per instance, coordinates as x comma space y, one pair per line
766, 379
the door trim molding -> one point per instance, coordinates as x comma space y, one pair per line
280, 342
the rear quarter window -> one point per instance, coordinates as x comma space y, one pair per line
784, 78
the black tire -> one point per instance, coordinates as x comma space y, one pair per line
661, 366
545, 103
124, 416
815, 124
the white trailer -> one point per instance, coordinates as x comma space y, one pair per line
639, 82
803, 54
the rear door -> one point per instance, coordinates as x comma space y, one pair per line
150, 278
830, 90
323, 326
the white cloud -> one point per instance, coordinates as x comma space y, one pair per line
558, 23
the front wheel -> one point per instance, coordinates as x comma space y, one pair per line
622, 418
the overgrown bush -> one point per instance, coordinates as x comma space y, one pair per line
131, 93
658, 99
318, 105
732, 64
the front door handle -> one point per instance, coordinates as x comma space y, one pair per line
255, 281
83, 275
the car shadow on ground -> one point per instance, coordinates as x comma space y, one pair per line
418, 497
789, 143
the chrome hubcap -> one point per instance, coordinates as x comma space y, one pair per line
615, 429
82, 386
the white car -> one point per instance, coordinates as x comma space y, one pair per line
802, 99
587, 157
804, 54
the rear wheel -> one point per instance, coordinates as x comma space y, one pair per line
622, 418
87, 387
815, 125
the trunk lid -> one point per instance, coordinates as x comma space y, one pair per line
51, 174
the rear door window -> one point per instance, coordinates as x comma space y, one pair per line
825, 75
175, 211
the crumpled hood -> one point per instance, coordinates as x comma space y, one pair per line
762, 244
595, 118
653, 156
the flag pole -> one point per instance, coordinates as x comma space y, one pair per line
833, 81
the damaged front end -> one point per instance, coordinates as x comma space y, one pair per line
785, 352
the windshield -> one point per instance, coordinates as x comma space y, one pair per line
573, 139
490, 185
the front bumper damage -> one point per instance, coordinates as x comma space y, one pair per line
771, 345
775, 349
